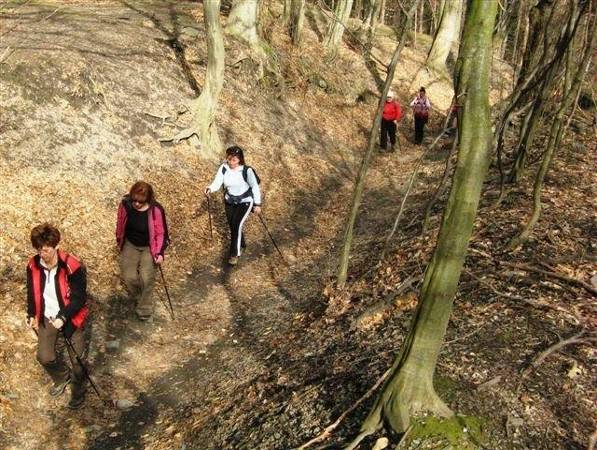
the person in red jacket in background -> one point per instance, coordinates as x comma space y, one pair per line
391, 114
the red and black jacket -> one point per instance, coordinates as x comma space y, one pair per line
71, 291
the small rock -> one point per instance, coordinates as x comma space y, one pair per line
124, 404
11, 396
92, 429
594, 281
113, 345
517, 422
114, 434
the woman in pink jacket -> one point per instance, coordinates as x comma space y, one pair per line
142, 237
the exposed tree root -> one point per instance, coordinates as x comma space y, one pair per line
328, 430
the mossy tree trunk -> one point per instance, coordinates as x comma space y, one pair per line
357, 193
371, 14
336, 28
409, 389
295, 23
203, 108
446, 36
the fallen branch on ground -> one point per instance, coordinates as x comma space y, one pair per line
557, 275
326, 433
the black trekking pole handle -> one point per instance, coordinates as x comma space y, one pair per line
166, 289
271, 237
211, 233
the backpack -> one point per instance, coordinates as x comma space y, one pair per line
245, 174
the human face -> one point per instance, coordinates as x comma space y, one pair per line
139, 202
233, 161
49, 255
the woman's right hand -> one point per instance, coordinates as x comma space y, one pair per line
207, 191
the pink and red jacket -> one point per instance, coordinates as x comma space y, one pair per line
158, 228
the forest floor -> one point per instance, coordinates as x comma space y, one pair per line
266, 355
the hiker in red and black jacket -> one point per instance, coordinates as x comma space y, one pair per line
391, 114
56, 302
142, 237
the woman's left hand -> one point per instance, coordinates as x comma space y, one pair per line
257, 209
159, 260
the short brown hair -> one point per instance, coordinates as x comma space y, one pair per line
142, 189
45, 234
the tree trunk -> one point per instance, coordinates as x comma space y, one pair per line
409, 390
357, 193
242, 23
382, 11
336, 29
446, 36
286, 13
297, 16
555, 136
357, 11
203, 108
371, 14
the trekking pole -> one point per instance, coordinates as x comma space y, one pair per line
71, 347
271, 237
211, 233
167, 293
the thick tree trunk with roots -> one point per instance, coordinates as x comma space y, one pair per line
357, 193
203, 108
242, 24
446, 36
295, 23
555, 137
409, 390
336, 29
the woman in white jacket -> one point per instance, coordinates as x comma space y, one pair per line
242, 195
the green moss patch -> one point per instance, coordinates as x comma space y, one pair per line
456, 433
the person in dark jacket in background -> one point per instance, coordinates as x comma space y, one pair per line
56, 309
142, 237
390, 115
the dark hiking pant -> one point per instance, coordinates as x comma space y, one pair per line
237, 215
419, 128
138, 273
50, 354
388, 128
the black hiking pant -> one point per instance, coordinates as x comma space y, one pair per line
237, 215
388, 128
420, 122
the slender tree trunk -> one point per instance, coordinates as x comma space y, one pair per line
382, 11
357, 11
555, 137
242, 23
336, 29
203, 108
371, 15
286, 13
297, 16
409, 389
446, 36
357, 193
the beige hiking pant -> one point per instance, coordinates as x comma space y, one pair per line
138, 273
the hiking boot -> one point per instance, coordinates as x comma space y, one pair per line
233, 260
77, 399
393, 148
58, 388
